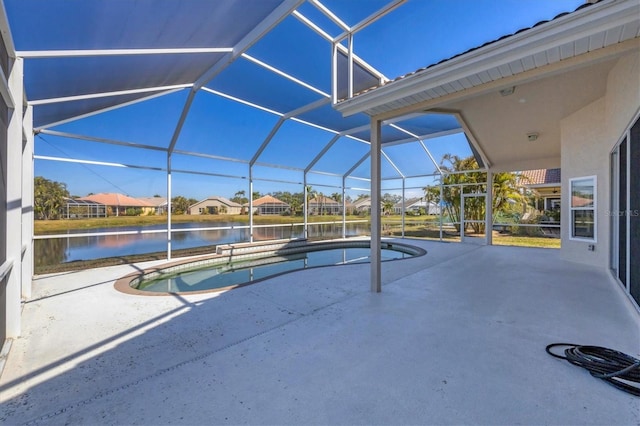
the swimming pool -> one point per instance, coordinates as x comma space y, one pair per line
244, 264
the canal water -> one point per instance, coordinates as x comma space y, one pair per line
53, 251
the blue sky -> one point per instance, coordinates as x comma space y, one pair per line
415, 35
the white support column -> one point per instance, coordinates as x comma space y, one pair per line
403, 206
488, 228
376, 229
169, 207
27, 203
250, 203
305, 205
441, 204
14, 200
344, 209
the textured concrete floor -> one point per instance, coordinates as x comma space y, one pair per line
456, 337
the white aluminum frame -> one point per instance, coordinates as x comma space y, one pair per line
593, 208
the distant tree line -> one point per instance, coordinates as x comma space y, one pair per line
48, 198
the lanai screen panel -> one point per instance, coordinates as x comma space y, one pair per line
295, 145
251, 82
326, 116
98, 24
342, 156
388, 134
429, 124
312, 53
51, 114
224, 127
101, 25
71, 148
456, 144
134, 122
411, 158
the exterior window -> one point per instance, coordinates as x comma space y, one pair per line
583, 208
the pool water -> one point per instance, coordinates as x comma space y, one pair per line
220, 276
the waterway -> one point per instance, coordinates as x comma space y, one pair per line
54, 251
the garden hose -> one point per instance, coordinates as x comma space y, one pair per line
616, 368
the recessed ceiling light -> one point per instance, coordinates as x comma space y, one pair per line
533, 136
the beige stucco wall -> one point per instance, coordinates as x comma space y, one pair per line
588, 136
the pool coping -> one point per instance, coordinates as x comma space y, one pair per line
230, 253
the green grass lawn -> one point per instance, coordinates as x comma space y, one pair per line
431, 231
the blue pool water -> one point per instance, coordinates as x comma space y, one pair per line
220, 276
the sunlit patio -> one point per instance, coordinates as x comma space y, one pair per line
455, 337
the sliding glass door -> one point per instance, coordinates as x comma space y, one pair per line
625, 211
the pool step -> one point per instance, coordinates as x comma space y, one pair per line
259, 247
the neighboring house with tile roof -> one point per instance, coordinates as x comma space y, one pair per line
546, 185
120, 204
270, 205
321, 204
159, 204
215, 205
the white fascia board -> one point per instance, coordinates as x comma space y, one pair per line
574, 26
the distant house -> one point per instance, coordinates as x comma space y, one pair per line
159, 204
75, 208
120, 204
215, 205
321, 205
545, 184
416, 206
269, 205
362, 205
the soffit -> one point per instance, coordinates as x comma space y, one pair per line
500, 124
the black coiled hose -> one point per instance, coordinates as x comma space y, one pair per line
616, 368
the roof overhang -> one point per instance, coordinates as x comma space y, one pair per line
600, 26
555, 68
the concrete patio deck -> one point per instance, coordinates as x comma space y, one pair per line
455, 337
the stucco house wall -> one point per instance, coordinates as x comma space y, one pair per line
205, 206
588, 137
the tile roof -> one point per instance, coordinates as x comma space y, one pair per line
541, 177
267, 199
323, 199
115, 199
222, 200
155, 201
420, 70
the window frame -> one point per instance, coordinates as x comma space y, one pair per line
593, 208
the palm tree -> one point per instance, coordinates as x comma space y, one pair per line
387, 207
504, 185
311, 193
